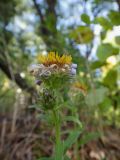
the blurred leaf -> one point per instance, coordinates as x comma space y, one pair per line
73, 136
97, 64
103, 34
114, 17
88, 137
111, 78
96, 97
106, 50
105, 104
73, 119
66, 158
117, 98
117, 40
82, 34
85, 18
105, 23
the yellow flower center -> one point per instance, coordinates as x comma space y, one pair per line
54, 58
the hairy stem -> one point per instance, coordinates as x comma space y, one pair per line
58, 155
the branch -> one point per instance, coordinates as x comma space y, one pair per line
38, 11
118, 2
18, 79
44, 29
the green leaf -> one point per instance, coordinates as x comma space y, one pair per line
97, 64
105, 104
66, 158
88, 137
105, 23
106, 50
73, 136
73, 119
117, 40
103, 34
114, 16
95, 97
111, 78
82, 34
85, 18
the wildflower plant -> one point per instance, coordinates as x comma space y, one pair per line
55, 74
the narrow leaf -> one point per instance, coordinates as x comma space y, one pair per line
73, 119
88, 137
73, 136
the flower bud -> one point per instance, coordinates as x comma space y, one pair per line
73, 71
73, 65
38, 82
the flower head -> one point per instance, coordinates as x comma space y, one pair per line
53, 69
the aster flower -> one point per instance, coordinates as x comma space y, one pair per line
53, 68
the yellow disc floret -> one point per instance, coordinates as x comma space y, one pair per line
54, 58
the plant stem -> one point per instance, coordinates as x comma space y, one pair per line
76, 144
58, 151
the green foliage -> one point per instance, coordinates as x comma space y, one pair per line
71, 139
73, 119
97, 64
4, 5
110, 79
104, 22
66, 158
114, 17
63, 80
82, 34
106, 50
117, 40
85, 18
88, 137
105, 105
95, 97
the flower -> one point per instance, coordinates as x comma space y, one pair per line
53, 68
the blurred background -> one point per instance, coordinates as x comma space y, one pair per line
88, 30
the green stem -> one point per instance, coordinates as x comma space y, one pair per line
76, 144
58, 155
